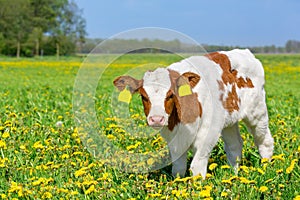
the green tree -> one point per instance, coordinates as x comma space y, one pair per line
29, 25
15, 23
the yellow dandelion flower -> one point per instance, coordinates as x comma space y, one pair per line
77, 153
208, 175
225, 167
90, 190
281, 186
2, 144
197, 177
297, 197
150, 161
73, 193
65, 156
291, 167
139, 176
246, 181
278, 157
62, 190
38, 145
260, 171
244, 168
263, 189
113, 190
5, 135
14, 187
149, 185
155, 195
264, 160
22, 147
79, 173
233, 178
47, 195
205, 193
212, 166
279, 171
227, 181
111, 137
178, 179
224, 194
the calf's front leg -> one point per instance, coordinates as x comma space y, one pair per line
199, 164
179, 164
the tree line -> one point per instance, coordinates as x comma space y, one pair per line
56, 27
114, 46
40, 27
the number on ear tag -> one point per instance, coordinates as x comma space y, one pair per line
184, 90
125, 96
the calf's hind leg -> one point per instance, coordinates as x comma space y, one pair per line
233, 144
262, 136
257, 122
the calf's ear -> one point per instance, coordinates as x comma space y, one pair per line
186, 82
191, 77
127, 81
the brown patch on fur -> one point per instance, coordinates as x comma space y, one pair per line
183, 109
200, 109
229, 76
241, 83
188, 108
232, 101
145, 100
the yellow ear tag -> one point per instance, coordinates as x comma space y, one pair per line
184, 90
125, 96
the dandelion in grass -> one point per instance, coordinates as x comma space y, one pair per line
291, 167
5, 135
90, 190
260, 171
263, 189
278, 157
227, 181
225, 167
224, 194
297, 197
212, 166
264, 160
2, 144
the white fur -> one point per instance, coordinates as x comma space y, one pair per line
157, 84
202, 135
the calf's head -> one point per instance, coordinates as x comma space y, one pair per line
166, 95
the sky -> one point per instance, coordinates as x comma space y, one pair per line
218, 22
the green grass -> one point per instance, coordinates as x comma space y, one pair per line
40, 160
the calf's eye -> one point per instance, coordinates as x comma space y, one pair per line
170, 95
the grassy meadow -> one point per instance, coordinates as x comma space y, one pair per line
42, 155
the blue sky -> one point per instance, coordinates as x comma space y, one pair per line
219, 22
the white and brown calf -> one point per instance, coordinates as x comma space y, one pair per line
218, 90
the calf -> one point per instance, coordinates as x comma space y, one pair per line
199, 99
